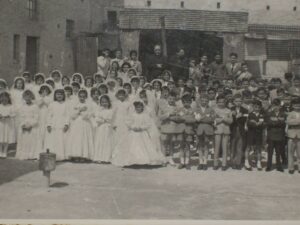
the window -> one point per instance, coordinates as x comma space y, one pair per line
182, 4
148, 3
278, 50
112, 19
70, 24
283, 50
16, 48
268, 7
218, 5
294, 49
32, 9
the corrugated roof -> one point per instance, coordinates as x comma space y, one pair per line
280, 31
200, 20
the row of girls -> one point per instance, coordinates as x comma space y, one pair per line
97, 119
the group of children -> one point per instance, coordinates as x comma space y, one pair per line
123, 120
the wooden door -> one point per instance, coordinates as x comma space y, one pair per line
86, 53
32, 56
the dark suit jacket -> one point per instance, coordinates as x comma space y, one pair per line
153, 71
236, 69
253, 117
179, 67
238, 124
276, 128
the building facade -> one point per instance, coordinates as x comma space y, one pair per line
42, 35
269, 43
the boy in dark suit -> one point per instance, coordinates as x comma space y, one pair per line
255, 125
275, 121
238, 132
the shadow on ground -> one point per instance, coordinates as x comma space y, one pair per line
59, 185
11, 168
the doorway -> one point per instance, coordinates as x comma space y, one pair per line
32, 56
195, 43
86, 52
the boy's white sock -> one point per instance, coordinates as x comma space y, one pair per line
182, 160
4, 152
247, 163
259, 165
171, 160
1, 150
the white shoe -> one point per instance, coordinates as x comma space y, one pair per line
247, 166
171, 161
259, 167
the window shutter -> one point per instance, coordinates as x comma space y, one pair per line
278, 50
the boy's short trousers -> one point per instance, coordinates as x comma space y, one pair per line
189, 138
204, 139
255, 138
296, 139
171, 137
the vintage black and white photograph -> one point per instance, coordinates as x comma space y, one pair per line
150, 110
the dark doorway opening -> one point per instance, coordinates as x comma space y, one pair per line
86, 52
195, 43
32, 49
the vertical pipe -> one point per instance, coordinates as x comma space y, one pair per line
163, 36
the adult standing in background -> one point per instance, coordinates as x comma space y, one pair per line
203, 64
217, 67
155, 64
233, 66
135, 63
119, 57
103, 62
179, 65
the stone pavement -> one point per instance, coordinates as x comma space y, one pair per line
90, 191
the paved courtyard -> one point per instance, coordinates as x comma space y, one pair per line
90, 191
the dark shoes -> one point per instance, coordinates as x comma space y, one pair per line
268, 169
181, 166
200, 167
236, 167
248, 168
280, 169
224, 168
291, 171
